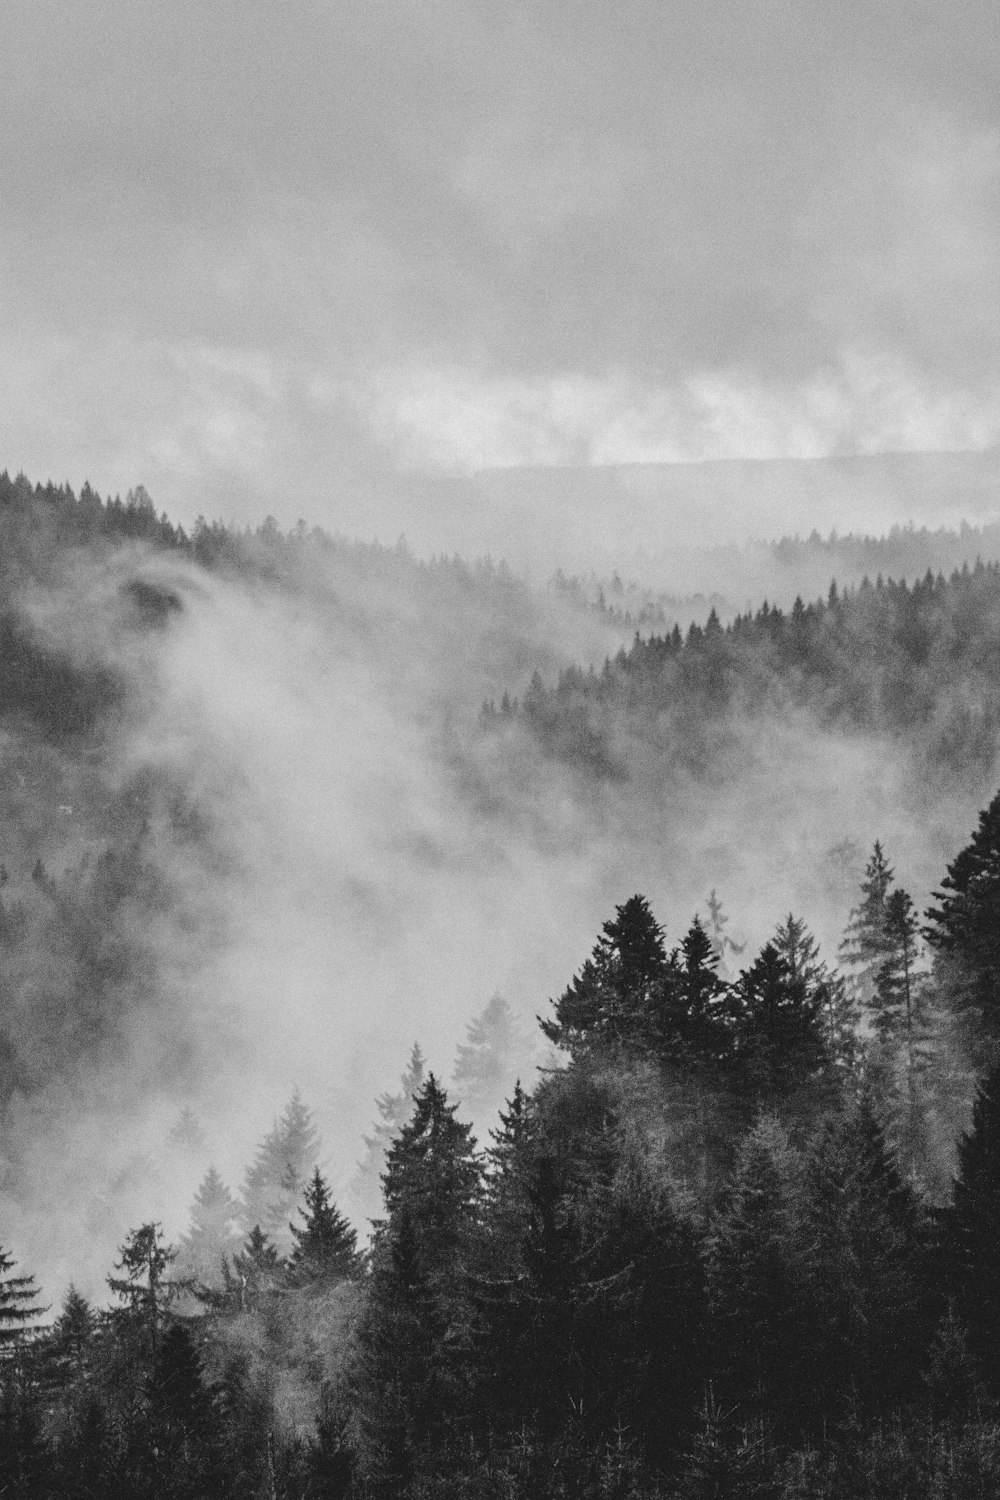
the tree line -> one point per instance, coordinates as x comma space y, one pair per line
733, 1241
916, 662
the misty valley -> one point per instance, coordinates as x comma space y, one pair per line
472, 1036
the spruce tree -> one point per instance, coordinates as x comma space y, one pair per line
67, 1348
278, 1175
257, 1273
495, 1052
146, 1289
869, 1255
394, 1111
414, 1342
964, 928
972, 1228
900, 1006
212, 1235
838, 1010
777, 1031
617, 994
18, 1306
759, 1262
862, 950
692, 1021
326, 1246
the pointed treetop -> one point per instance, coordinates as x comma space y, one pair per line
326, 1245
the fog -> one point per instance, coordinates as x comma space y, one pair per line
347, 864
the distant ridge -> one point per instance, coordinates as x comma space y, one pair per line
627, 514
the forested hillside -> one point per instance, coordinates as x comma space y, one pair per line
919, 663
722, 1246
723, 1224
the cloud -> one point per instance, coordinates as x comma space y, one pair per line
604, 225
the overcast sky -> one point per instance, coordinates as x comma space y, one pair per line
264, 256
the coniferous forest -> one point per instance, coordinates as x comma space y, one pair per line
724, 1221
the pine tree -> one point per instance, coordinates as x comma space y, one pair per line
863, 948
187, 1134
778, 1044
394, 1111
837, 1008
903, 1026
256, 1273
275, 1182
213, 1233
146, 1288
758, 1277
67, 1348
182, 1457
414, 1336
972, 1228
18, 1311
496, 1051
326, 1246
617, 993
868, 1246
964, 927
691, 1030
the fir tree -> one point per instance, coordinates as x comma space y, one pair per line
758, 1277
868, 1247
326, 1246
212, 1235
394, 1111
863, 948
182, 1438
964, 927
617, 993
18, 1309
257, 1272
691, 1028
414, 1337
778, 1044
187, 1134
275, 1182
68, 1346
902, 1023
837, 1008
146, 1289
495, 1051
972, 1228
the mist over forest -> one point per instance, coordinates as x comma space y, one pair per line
302, 837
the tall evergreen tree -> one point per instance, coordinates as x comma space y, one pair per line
778, 1043
964, 927
972, 1228
326, 1246
182, 1431
901, 1011
692, 1022
278, 1175
414, 1337
869, 1252
495, 1053
862, 950
146, 1289
759, 1261
838, 1010
18, 1305
213, 1232
618, 992
394, 1110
